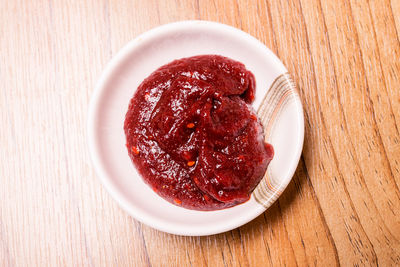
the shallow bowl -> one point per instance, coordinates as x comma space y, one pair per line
277, 103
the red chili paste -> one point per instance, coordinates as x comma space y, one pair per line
194, 137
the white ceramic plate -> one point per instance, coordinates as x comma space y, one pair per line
277, 102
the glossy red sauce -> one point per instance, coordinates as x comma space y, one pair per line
193, 135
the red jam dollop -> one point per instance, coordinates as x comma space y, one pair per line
194, 137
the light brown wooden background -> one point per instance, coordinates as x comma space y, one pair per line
343, 205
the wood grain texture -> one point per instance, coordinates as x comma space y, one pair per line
342, 206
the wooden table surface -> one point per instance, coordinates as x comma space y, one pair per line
342, 206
